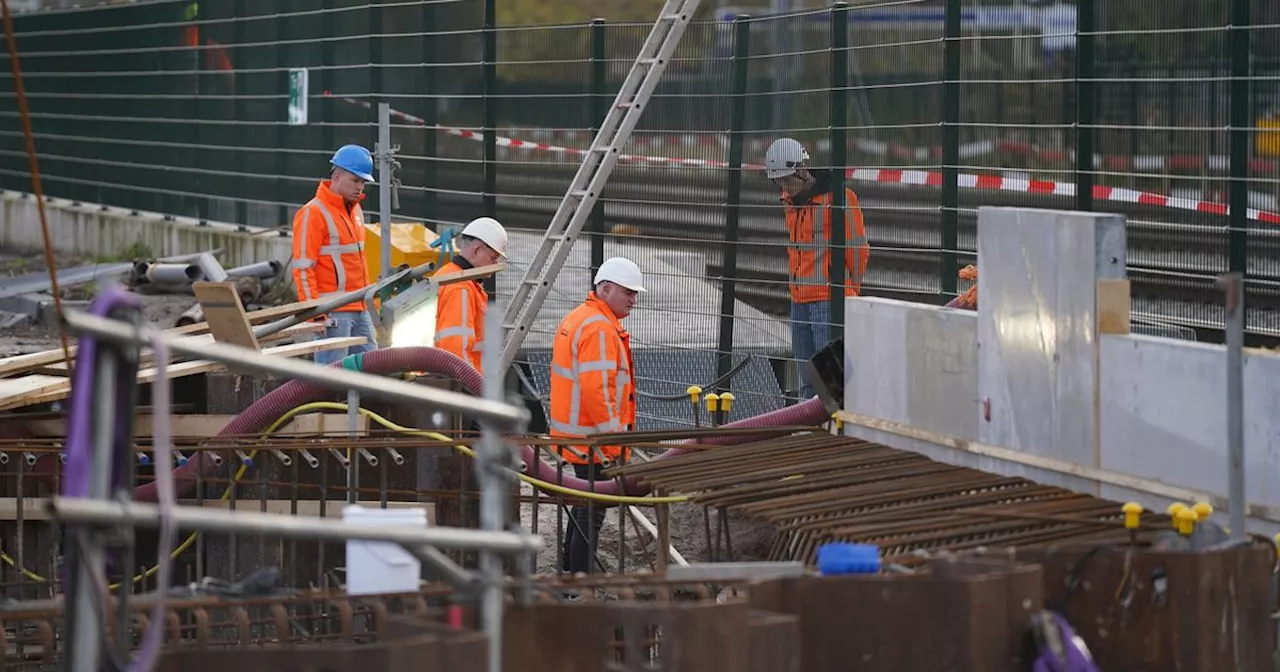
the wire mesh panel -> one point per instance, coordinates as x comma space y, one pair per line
926, 109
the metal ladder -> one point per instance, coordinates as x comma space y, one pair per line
594, 172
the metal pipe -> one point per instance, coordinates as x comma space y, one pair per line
210, 267
262, 269
449, 570
506, 416
492, 511
384, 187
90, 558
1233, 285
110, 513
173, 274
415, 273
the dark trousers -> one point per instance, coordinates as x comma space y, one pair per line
578, 537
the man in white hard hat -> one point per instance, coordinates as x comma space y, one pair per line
807, 196
461, 306
593, 390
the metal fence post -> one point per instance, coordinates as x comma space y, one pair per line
282, 191
839, 95
375, 51
1241, 24
430, 108
240, 187
1233, 285
489, 91
490, 198
737, 139
327, 106
1086, 62
949, 239
599, 104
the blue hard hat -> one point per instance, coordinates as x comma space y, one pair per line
354, 159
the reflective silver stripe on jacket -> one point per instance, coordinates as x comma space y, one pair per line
304, 262
578, 369
819, 246
332, 249
465, 329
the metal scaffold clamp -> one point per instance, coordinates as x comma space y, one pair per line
387, 162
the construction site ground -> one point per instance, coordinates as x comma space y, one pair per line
161, 310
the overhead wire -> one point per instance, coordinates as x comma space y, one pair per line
33, 164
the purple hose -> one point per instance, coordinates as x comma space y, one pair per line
259, 415
80, 406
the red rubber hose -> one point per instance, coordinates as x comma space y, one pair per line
258, 416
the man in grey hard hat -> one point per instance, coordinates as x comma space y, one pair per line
806, 196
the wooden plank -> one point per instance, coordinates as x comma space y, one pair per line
1098, 475
468, 274
181, 426
35, 509
146, 359
197, 425
224, 313
23, 363
40, 391
324, 424
1113, 306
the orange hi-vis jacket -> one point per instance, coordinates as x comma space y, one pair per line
809, 229
328, 248
460, 311
592, 389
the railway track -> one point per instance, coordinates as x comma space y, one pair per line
1173, 256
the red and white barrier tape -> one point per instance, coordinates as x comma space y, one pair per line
880, 175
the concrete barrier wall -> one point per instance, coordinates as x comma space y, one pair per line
1030, 375
1163, 415
92, 230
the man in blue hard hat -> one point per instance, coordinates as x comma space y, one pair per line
328, 250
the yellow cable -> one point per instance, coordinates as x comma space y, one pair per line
545, 485
280, 422
186, 544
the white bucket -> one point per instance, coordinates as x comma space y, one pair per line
377, 566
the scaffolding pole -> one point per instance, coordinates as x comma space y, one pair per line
101, 511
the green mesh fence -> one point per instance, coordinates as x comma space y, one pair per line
940, 108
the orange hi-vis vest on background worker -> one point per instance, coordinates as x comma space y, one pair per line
592, 388
460, 311
328, 248
809, 229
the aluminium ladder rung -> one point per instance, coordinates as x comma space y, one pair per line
571, 215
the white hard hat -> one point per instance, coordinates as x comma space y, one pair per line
783, 157
620, 271
488, 231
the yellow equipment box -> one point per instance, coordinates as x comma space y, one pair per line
1269, 135
410, 244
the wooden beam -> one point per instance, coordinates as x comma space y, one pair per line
36, 509
468, 274
146, 358
38, 389
224, 313
10, 366
1113, 306
204, 426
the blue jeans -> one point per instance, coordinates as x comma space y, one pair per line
810, 332
344, 324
